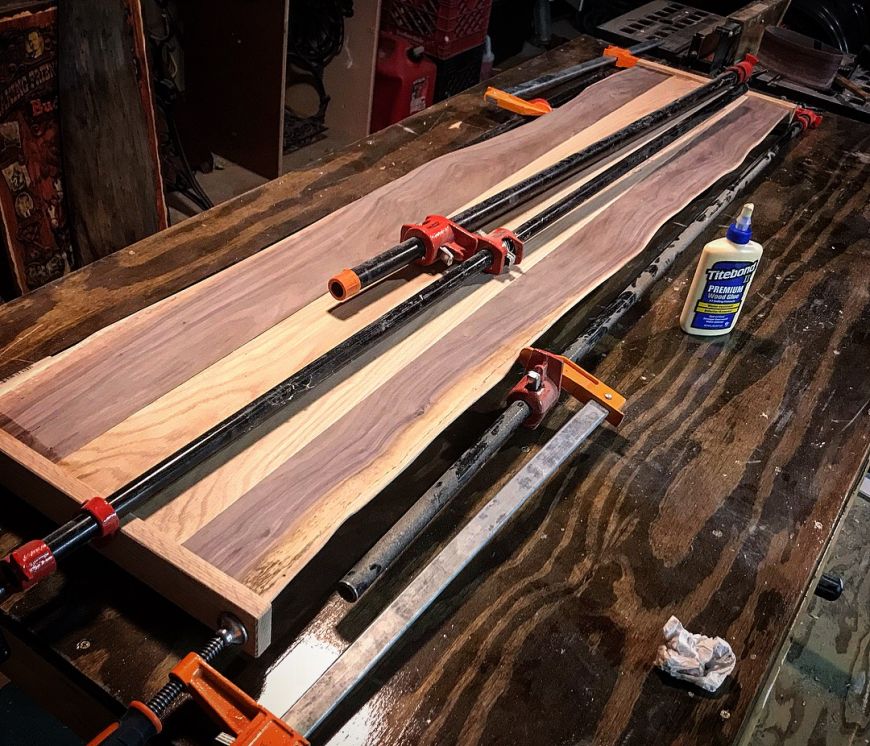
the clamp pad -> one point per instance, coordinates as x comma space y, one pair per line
624, 58
504, 100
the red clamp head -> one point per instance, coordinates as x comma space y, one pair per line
104, 514
540, 387
30, 563
437, 233
808, 119
501, 243
744, 68
623, 57
547, 375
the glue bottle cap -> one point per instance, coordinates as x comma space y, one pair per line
740, 231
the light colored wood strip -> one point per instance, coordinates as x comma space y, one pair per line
784, 104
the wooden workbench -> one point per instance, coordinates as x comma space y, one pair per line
713, 502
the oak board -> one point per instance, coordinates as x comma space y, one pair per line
239, 529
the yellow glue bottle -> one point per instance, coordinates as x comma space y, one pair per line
722, 280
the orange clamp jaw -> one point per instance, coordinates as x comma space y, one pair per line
624, 58
246, 720
571, 378
505, 100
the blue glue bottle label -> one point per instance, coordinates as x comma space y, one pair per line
724, 287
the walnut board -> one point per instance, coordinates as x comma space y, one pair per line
234, 533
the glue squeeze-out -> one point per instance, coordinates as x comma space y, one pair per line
722, 279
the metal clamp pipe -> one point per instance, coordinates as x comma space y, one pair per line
349, 282
569, 74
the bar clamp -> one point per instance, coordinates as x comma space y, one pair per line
548, 375
528, 108
446, 239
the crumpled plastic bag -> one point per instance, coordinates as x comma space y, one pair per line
701, 660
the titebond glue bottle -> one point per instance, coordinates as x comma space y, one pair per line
722, 280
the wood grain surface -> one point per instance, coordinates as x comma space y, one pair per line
502, 669
392, 419
111, 166
62, 314
389, 405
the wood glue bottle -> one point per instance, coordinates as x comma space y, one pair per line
722, 280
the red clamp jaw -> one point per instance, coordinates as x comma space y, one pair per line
744, 68
445, 238
248, 721
547, 375
29, 564
34, 561
808, 119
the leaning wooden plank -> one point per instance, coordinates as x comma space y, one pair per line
299, 505
155, 431
199, 326
113, 183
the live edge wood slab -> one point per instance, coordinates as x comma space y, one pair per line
234, 534
550, 636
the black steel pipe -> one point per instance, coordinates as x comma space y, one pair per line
569, 74
570, 202
349, 282
421, 514
358, 580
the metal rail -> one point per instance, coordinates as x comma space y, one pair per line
569, 74
332, 688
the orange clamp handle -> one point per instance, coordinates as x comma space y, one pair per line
505, 100
583, 386
250, 723
624, 58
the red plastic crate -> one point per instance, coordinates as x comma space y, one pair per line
444, 27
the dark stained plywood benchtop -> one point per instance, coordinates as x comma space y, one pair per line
714, 501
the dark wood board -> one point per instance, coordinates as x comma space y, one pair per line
486, 659
112, 170
234, 67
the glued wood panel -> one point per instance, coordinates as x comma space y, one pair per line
253, 517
